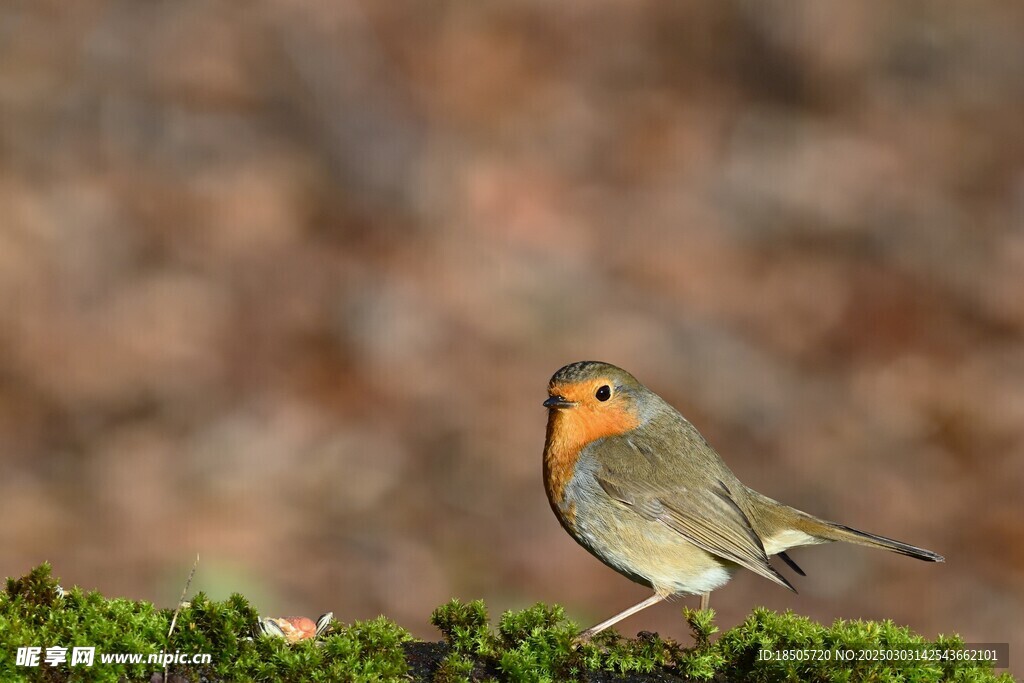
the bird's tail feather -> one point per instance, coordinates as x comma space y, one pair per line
831, 531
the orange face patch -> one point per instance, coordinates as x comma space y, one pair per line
571, 429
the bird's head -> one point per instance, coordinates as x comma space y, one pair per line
589, 400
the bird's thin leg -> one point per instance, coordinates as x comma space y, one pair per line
705, 600
653, 600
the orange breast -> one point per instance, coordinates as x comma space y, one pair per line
569, 432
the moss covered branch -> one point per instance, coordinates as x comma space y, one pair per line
535, 644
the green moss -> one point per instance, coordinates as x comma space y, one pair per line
32, 613
534, 645
844, 651
465, 629
539, 644
531, 645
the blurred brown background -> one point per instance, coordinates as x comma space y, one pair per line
282, 283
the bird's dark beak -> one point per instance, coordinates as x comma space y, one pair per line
559, 402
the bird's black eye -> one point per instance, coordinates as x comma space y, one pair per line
604, 392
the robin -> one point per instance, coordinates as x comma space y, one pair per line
637, 485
